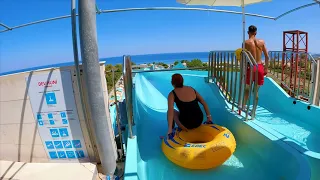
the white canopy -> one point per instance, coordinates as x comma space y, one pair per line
220, 2
240, 3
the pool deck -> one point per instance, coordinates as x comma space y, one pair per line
47, 171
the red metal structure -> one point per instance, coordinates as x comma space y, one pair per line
297, 42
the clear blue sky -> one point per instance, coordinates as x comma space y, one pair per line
142, 32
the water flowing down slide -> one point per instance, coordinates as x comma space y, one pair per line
255, 156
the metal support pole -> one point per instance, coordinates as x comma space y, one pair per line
76, 63
242, 62
209, 65
7, 27
127, 77
91, 67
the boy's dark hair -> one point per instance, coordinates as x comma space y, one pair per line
252, 29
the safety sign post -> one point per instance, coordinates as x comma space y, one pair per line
53, 104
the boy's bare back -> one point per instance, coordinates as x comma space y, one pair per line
256, 47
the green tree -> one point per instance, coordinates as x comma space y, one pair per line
163, 64
108, 67
303, 56
195, 63
176, 62
118, 67
117, 74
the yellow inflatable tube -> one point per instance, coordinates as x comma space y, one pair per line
238, 53
205, 147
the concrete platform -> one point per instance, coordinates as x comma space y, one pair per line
47, 171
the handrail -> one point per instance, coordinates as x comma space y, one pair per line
224, 68
209, 66
296, 72
127, 78
250, 59
117, 112
314, 80
317, 86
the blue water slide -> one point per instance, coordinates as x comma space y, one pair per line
294, 122
291, 121
259, 153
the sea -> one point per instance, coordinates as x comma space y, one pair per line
167, 58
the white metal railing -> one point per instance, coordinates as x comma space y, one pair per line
296, 72
229, 74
